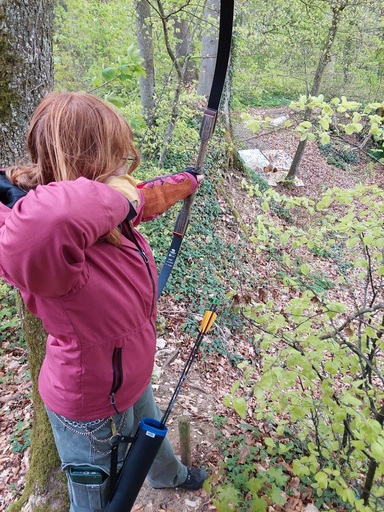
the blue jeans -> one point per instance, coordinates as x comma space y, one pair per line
87, 444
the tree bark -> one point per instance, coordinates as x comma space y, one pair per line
209, 48
145, 45
183, 49
325, 58
26, 33
26, 30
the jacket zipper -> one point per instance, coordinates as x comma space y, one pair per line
116, 359
146, 261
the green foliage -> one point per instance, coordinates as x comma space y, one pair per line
252, 470
196, 275
339, 114
277, 56
342, 158
321, 365
20, 439
10, 329
94, 50
90, 33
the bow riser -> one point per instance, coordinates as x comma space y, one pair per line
182, 220
207, 128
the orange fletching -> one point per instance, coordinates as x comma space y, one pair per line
206, 324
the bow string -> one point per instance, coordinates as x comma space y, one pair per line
207, 129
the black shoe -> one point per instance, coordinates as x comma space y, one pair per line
195, 479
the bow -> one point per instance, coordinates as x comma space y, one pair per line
206, 131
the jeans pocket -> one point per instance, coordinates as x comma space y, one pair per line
89, 496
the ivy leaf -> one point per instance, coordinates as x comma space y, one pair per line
229, 499
254, 485
259, 504
278, 475
276, 496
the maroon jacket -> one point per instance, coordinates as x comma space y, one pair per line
96, 301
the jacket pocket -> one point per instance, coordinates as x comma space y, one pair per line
117, 373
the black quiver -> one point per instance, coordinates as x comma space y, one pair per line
141, 454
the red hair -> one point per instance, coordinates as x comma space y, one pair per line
72, 135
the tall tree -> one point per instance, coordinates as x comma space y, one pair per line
181, 68
183, 48
337, 9
26, 33
26, 69
145, 45
209, 47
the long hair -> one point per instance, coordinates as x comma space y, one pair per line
72, 135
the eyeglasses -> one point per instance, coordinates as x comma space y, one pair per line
129, 158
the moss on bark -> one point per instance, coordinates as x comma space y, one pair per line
45, 483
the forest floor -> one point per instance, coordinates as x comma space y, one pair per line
211, 377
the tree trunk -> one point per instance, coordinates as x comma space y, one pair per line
209, 48
183, 49
45, 488
325, 58
26, 32
145, 45
181, 72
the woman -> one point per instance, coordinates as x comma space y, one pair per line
70, 246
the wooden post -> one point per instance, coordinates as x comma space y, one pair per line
185, 440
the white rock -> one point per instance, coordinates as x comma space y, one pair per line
278, 121
160, 343
311, 508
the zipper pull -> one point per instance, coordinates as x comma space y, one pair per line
144, 256
112, 395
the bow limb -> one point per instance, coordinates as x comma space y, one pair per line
206, 131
